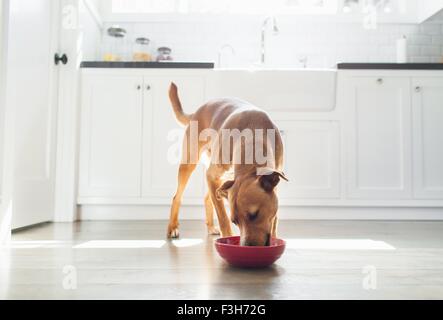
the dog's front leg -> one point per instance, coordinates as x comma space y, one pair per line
213, 176
209, 207
274, 228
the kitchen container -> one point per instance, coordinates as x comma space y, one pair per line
142, 50
164, 54
402, 51
114, 44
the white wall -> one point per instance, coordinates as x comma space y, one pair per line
325, 43
427, 8
402, 11
90, 26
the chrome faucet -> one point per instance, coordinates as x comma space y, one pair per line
275, 31
303, 61
221, 50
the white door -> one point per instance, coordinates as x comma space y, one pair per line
3, 22
312, 162
6, 136
32, 91
379, 142
159, 172
111, 136
427, 107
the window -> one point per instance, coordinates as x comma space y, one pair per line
225, 6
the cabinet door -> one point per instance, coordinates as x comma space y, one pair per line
378, 121
111, 136
428, 137
312, 163
163, 137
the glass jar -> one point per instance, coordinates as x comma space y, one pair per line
115, 46
164, 54
142, 50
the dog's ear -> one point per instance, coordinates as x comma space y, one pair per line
269, 178
222, 192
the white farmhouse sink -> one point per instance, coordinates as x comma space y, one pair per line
304, 90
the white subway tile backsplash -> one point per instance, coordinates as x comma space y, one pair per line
430, 29
414, 50
324, 44
408, 29
420, 59
430, 50
420, 39
437, 40
386, 50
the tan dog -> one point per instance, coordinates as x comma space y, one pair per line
252, 198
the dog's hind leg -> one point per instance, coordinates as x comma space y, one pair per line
209, 207
184, 173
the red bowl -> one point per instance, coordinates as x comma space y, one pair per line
249, 257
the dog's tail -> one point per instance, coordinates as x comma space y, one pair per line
181, 116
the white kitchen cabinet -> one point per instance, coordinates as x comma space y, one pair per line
162, 136
380, 145
378, 137
130, 139
312, 163
111, 136
427, 106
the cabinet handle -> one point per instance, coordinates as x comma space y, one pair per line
417, 89
380, 81
139, 87
148, 87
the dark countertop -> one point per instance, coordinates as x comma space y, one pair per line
148, 65
391, 66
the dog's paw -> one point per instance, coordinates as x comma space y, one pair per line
173, 233
213, 231
226, 234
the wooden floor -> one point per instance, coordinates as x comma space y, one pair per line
132, 260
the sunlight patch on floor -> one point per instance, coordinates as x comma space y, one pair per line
183, 243
337, 244
121, 244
